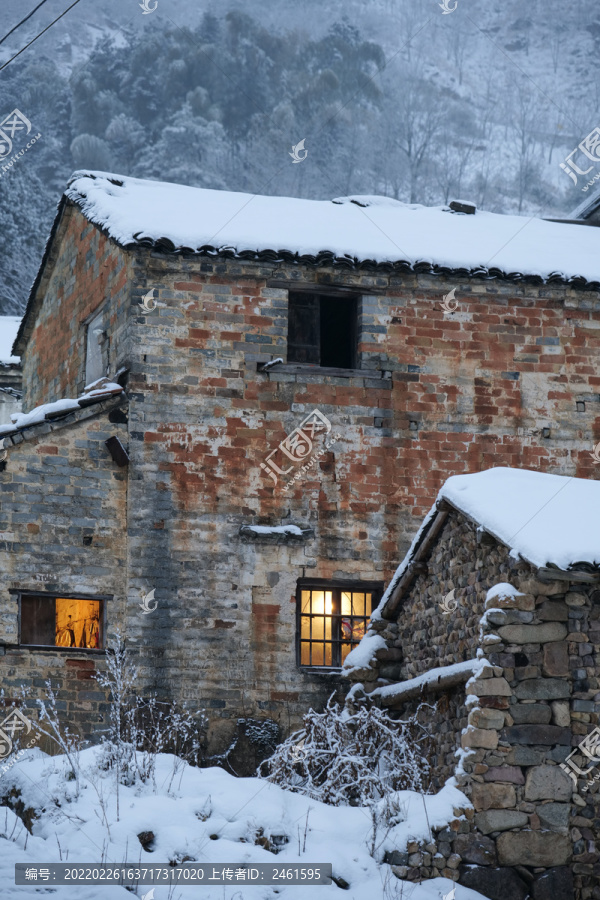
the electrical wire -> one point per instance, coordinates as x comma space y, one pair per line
39, 35
18, 25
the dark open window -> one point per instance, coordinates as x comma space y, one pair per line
322, 330
332, 620
48, 621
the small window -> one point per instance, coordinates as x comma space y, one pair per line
61, 622
322, 330
96, 359
332, 620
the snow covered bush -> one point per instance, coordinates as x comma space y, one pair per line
141, 728
344, 758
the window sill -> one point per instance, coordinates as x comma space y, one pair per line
301, 370
321, 670
38, 647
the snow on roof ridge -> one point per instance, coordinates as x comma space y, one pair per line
546, 519
384, 232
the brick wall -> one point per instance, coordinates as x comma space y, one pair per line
436, 396
62, 516
90, 272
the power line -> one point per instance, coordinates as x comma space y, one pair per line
18, 25
39, 35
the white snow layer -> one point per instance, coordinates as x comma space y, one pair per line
183, 816
274, 529
384, 231
474, 666
9, 325
364, 652
546, 519
38, 414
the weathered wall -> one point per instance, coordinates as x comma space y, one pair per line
90, 270
62, 518
525, 716
436, 396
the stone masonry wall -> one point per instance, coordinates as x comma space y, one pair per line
62, 518
532, 828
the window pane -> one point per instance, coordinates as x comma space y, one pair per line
328, 628
37, 620
305, 654
328, 652
305, 628
303, 328
305, 601
346, 603
77, 623
318, 655
358, 604
318, 603
369, 604
346, 648
318, 628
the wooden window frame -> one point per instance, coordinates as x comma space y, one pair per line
353, 298
103, 599
334, 585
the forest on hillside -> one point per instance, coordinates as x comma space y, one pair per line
418, 115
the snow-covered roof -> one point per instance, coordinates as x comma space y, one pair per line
548, 520
9, 325
350, 231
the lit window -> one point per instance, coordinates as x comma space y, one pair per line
61, 622
332, 620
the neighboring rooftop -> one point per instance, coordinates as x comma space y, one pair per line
352, 231
551, 521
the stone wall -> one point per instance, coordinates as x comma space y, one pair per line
62, 518
527, 710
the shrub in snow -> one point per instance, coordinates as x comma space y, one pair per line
141, 728
345, 758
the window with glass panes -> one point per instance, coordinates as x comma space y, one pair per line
332, 620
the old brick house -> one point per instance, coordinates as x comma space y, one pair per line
265, 571
494, 615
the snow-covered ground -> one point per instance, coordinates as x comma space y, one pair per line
211, 817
